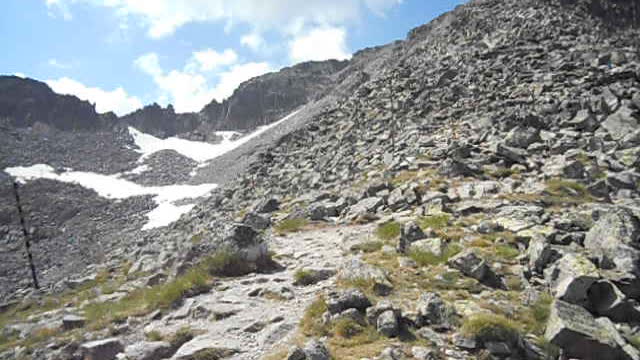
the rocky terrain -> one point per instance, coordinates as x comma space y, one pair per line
471, 192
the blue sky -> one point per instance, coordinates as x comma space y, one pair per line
122, 54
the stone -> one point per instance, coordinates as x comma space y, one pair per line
498, 348
315, 350
542, 254
571, 277
387, 324
374, 311
199, 346
605, 299
522, 137
409, 233
435, 246
470, 264
256, 220
584, 121
582, 336
106, 349
614, 240
621, 123
314, 276
423, 353
512, 154
341, 300
426, 333
365, 207
267, 205
391, 353
432, 310
355, 269
296, 353
148, 350
70, 322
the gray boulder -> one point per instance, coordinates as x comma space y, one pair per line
148, 350
355, 269
522, 137
106, 349
433, 311
339, 301
409, 233
614, 240
621, 123
605, 299
315, 350
571, 277
581, 336
257, 221
70, 322
387, 324
470, 264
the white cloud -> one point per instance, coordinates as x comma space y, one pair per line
253, 41
20, 75
189, 89
164, 17
320, 44
208, 60
116, 100
57, 64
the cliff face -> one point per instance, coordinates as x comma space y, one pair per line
24, 102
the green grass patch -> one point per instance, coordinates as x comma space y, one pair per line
311, 322
388, 231
368, 247
490, 327
506, 252
425, 258
304, 277
139, 302
435, 222
290, 225
501, 173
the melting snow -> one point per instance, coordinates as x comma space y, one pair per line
196, 150
115, 187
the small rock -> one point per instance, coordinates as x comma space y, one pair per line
106, 349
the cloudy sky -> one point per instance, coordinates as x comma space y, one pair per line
123, 54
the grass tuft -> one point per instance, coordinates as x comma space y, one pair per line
490, 327
435, 222
388, 231
425, 258
304, 277
311, 322
290, 225
347, 328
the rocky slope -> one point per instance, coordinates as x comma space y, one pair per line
479, 183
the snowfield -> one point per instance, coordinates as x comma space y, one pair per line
166, 197
114, 187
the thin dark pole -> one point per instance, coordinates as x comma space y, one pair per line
27, 243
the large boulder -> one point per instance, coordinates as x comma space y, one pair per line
433, 311
605, 299
148, 350
582, 336
620, 123
571, 277
472, 265
615, 241
409, 233
341, 300
106, 349
355, 270
522, 137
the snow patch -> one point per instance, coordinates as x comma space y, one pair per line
200, 152
114, 187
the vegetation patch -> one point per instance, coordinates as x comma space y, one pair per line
490, 327
304, 277
426, 258
435, 222
368, 247
290, 225
388, 231
346, 328
559, 191
311, 322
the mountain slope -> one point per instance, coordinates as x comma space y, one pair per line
476, 186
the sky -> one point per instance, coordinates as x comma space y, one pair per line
124, 54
